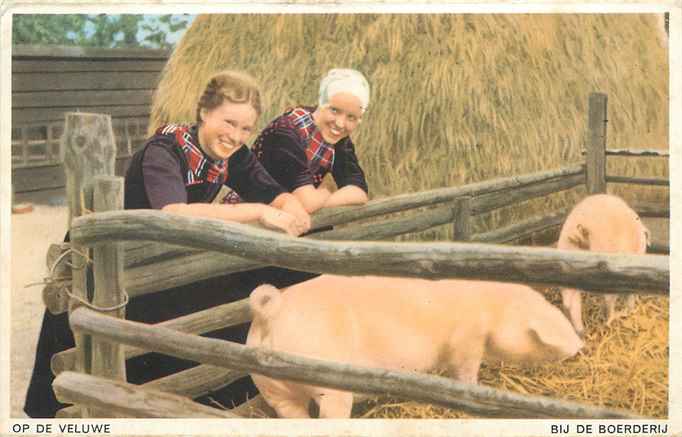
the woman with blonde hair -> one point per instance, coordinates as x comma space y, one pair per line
180, 170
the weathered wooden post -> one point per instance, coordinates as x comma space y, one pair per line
108, 359
88, 149
595, 154
462, 218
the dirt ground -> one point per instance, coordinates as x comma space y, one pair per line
32, 234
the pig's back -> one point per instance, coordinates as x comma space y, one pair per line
383, 321
612, 225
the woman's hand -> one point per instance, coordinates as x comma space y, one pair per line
289, 203
274, 218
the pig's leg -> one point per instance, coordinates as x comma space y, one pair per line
292, 408
572, 303
630, 302
335, 404
466, 353
611, 312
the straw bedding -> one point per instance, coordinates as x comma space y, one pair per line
622, 366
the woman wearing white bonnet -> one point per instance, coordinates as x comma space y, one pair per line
344, 80
302, 145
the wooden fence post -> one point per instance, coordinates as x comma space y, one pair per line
595, 154
462, 218
88, 149
108, 359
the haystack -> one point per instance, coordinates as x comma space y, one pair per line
463, 98
455, 98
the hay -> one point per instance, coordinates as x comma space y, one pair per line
456, 99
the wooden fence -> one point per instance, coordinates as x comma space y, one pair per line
92, 375
47, 82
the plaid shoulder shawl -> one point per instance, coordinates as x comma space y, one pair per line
320, 154
201, 167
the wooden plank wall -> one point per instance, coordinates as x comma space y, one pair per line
49, 81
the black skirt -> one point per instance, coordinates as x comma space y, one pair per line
56, 336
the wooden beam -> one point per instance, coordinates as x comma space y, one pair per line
22, 82
152, 267
196, 381
200, 322
52, 65
415, 221
81, 99
121, 399
583, 270
36, 51
491, 201
639, 181
655, 210
108, 359
462, 218
637, 152
596, 144
255, 407
402, 202
408, 385
88, 150
523, 229
22, 116
51, 176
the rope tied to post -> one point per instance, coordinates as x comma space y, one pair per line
87, 261
61, 281
84, 209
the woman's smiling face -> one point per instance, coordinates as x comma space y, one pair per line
339, 118
225, 128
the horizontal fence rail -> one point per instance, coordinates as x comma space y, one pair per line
201, 322
117, 398
521, 230
151, 267
656, 153
425, 388
191, 383
584, 270
640, 181
638, 152
338, 216
652, 210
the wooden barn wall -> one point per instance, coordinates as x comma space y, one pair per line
49, 81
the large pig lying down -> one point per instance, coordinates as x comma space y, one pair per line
601, 223
400, 324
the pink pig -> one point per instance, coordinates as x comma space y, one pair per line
400, 324
601, 223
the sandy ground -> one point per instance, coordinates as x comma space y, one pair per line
32, 234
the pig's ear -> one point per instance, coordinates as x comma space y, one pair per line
581, 238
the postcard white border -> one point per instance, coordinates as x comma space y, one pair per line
366, 427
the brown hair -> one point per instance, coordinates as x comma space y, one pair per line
233, 86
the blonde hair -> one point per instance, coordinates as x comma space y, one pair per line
233, 86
